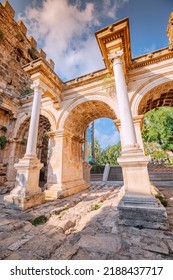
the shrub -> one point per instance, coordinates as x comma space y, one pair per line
26, 91
39, 220
33, 54
162, 199
3, 141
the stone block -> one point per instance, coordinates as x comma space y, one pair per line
15, 246
143, 212
100, 243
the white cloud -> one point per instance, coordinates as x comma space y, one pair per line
106, 140
148, 49
65, 32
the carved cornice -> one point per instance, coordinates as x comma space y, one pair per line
40, 71
86, 79
154, 57
114, 38
117, 36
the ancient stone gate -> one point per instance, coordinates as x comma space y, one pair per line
54, 116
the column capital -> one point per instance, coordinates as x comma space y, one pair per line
115, 55
38, 85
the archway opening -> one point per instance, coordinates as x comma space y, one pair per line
77, 123
157, 131
42, 144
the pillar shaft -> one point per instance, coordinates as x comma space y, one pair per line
34, 122
127, 126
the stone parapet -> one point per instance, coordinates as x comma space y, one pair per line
9, 9
22, 26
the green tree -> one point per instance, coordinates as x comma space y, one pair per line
97, 152
111, 154
158, 128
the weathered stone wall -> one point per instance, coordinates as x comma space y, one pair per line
16, 50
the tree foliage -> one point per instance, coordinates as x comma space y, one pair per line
109, 155
158, 128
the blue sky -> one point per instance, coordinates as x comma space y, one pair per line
65, 30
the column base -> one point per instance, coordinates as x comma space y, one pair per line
138, 207
142, 211
27, 192
135, 173
23, 203
61, 190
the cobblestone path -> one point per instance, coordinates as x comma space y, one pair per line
83, 226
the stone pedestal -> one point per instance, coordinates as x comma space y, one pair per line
142, 211
27, 192
106, 172
138, 207
61, 190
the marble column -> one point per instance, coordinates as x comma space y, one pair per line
127, 126
34, 122
138, 207
27, 192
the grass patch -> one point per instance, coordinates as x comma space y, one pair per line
95, 207
62, 213
162, 199
39, 220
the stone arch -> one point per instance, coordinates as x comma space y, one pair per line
46, 113
25, 116
93, 106
21, 135
155, 93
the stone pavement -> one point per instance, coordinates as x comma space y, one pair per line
83, 227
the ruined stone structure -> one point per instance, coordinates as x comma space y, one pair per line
46, 118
